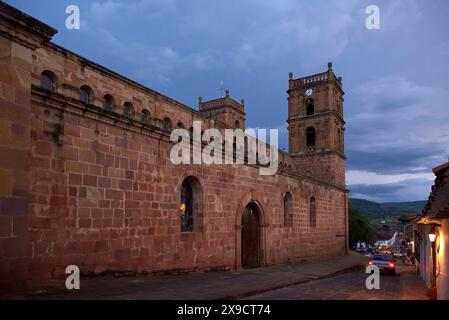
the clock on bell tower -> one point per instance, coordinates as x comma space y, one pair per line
316, 125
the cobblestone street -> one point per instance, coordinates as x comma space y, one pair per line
405, 285
200, 285
337, 278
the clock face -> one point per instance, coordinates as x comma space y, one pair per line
309, 92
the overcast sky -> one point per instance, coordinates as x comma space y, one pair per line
395, 78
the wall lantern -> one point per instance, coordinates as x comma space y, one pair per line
432, 236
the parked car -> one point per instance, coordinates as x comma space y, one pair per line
385, 262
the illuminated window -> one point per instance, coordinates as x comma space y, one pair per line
191, 205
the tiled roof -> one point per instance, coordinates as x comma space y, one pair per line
437, 206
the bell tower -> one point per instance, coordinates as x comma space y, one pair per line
316, 125
225, 110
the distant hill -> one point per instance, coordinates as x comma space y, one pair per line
375, 209
383, 217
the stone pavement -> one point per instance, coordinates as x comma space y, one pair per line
405, 285
206, 285
412, 286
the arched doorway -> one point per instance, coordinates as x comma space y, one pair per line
251, 236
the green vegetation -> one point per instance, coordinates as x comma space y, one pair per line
374, 209
381, 219
359, 227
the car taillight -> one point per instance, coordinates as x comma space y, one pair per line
391, 265
370, 263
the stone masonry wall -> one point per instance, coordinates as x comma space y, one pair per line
80, 185
325, 167
17, 42
15, 84
105, 198
104, 195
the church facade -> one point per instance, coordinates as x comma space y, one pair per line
86, 177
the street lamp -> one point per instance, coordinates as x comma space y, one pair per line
432, 238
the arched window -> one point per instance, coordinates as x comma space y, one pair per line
145, 116
310, 107
312, 213
108, 103
128, 110
191, 206
167, 124
48, 81
237, 124
310, 137
288, 209
86, 95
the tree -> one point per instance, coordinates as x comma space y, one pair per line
359, 227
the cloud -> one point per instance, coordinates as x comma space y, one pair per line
400, 15
389, 187
150, 64
397, 131
395, 159
213, 36
396, 126
316, 31
406, 190
115, 11
355, 177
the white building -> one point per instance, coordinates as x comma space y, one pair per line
431, 236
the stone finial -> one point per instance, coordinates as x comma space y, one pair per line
290, 76
200, 99
227, 92
242, 102
329, 65
340, 79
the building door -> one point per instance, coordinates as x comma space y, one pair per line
251, 237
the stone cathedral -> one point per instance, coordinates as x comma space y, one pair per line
86, 177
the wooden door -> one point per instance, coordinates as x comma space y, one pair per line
250, 237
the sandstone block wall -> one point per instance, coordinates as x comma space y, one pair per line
106, 198
17, 42
83, 186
